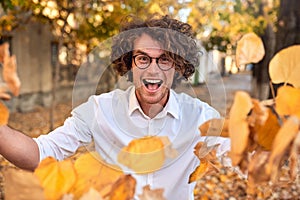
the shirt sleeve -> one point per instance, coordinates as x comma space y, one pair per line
66, 139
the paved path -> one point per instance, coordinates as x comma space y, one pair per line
219, 91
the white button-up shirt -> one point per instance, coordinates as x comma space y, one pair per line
114, 119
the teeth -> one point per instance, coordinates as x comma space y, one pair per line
152, 81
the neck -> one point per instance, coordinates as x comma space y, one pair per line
152, 109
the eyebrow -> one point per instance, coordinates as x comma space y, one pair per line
142, 52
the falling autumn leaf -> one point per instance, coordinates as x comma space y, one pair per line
288, 101
4, 114
10, 74
293, 164
250, 49
123, 188
281, 144
143, 155
285, 66
56, 177
22, 185
208, 161
4, 51
266, 133
3, 92
94, 172
238, 126
215, 127
148, 194
256, 170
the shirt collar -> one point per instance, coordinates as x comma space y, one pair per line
172, 106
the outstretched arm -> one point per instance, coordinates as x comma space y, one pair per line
18, 148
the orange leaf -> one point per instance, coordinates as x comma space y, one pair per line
4, 51
215, 127
94, 172
57, 178
281, 145
10, 74
238, 126
3, 92
266, 133
4, 114
123, 188
208, 161
143, 155
288, 101
285, 66
22, 185
250, 49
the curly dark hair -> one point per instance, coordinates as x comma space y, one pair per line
176, 37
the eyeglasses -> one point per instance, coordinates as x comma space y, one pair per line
143, 61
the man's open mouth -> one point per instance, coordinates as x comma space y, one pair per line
152, 84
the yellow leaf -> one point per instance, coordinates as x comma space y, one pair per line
285, 66
288, 101
250, 49
143, 155
4, 114
93, 172
281, 145
149, 194
57, 178
238, 126
123, 188
22, 185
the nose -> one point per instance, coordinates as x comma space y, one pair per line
153, 67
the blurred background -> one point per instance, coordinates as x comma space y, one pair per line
51, 39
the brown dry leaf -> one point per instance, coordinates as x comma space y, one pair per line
288, 101
3, 92
285, 66
94, 172
10, 74
22, 185
92, 194
56, 177
148, 194
123, 188
4, 51
250, 49
5, 96
143, 155
4, 114
293, 164
208, 161
281, 145
265, 134
256, 171
238, 127
215, 127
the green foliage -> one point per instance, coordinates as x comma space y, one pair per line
221, 23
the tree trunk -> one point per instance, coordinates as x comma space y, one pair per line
288, 30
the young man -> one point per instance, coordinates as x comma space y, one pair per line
156, 54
